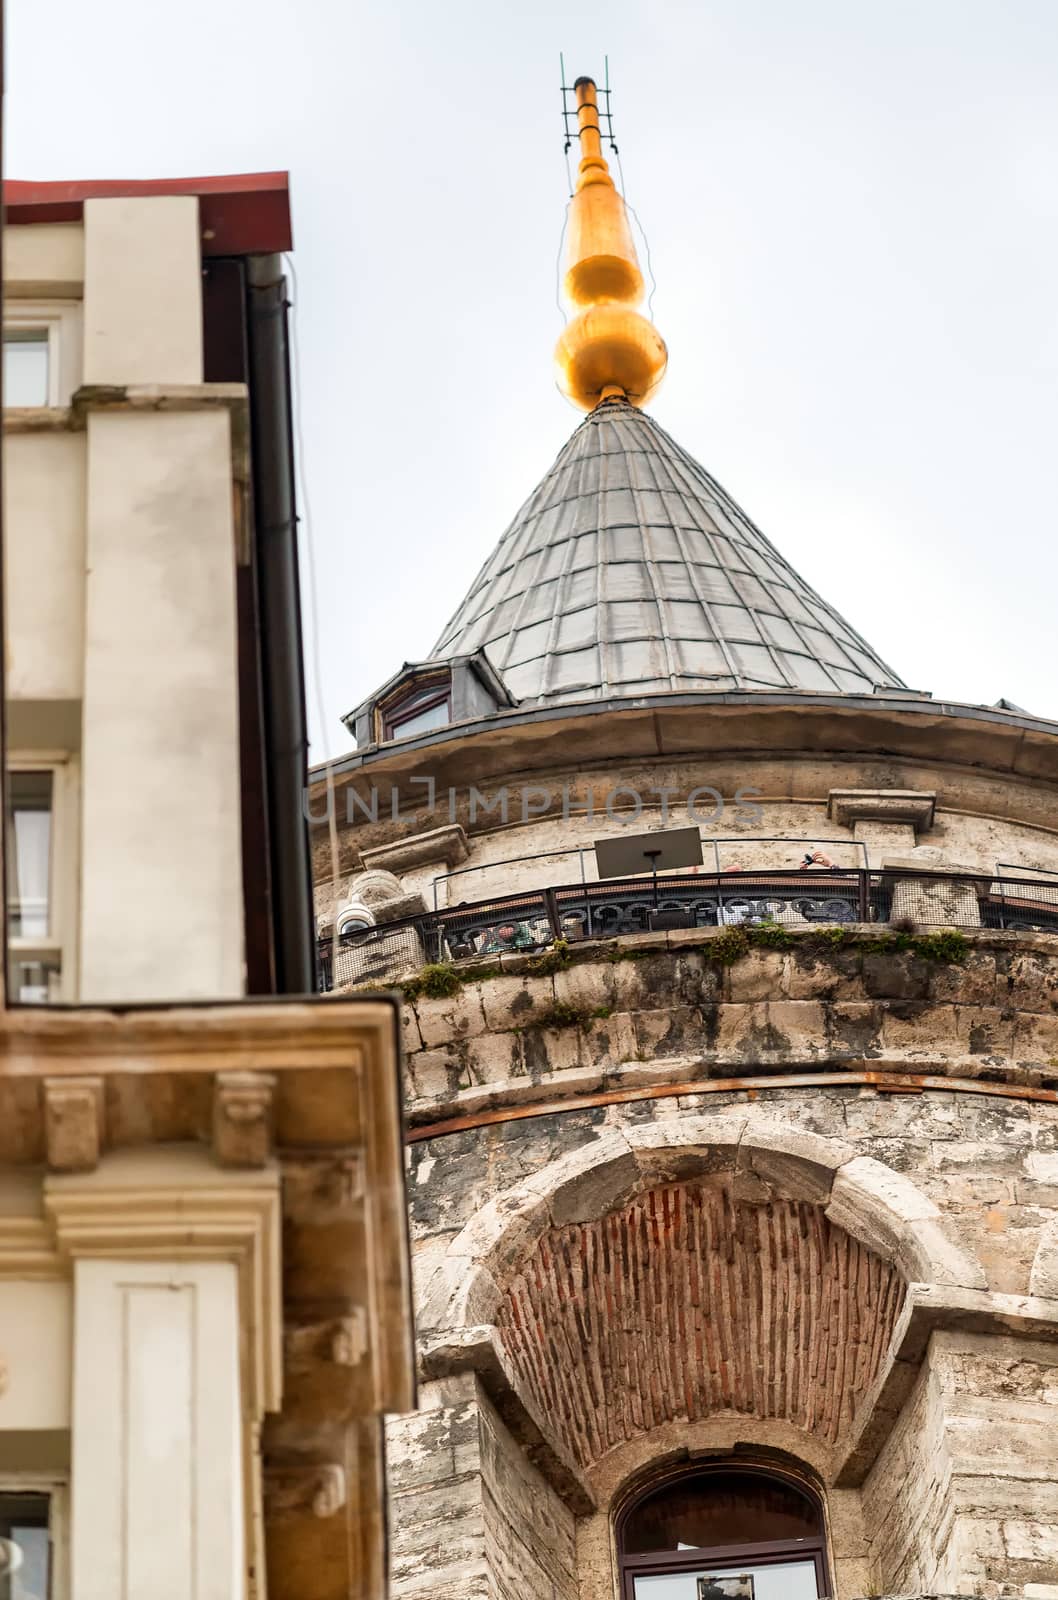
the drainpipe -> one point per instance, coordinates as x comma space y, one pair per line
282, 668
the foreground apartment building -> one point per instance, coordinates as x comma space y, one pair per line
203, 1297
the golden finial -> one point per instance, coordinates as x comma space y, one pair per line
608, 350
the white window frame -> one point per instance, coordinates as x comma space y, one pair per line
56, 1485
62, 883
61, 321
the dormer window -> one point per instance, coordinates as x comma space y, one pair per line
426, 695
423, 705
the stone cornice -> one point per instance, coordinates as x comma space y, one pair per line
316, 1080
537, 738
28, 1249
309, 1035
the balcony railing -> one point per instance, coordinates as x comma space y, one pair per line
534, 919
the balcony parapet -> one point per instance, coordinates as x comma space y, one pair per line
701, 1011
902, 895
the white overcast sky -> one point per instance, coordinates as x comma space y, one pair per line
852, 210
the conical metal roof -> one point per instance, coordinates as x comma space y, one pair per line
629, 571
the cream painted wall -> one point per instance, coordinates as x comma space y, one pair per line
44, 261
143, 291
157, 1466
44, 490
35, 1352
139, 656
161, 903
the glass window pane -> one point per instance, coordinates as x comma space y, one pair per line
782, 1580
435, 717
24, 1547
25, 367
29, 855
34, 981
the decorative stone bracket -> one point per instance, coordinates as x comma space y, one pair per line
73, 1123
447, 846
916, 808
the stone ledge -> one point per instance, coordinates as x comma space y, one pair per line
447, 844
929, 1307
849, 806
654, 1010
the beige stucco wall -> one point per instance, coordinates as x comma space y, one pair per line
161, 876
44, 489
44, 260
35, 1389
143, 291
120, 596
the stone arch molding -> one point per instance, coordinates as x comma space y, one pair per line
762, 1159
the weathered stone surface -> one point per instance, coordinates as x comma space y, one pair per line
242, 1118
559, 1229
817, 1003
1044, 1277
73, 1123
469, 1510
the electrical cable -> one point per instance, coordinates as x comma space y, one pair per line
558, 265
633, 213
650, 265
301, 483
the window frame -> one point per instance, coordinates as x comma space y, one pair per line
55, 1488
61, 321
60, 942
771, 1552
396, 711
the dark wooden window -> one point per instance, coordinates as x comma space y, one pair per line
423, 706
723, 1534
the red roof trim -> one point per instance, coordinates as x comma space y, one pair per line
245, 214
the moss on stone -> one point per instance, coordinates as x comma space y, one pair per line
438, 980
554, 960
728, 947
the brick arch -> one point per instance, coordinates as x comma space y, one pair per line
881, 1209
690, 1302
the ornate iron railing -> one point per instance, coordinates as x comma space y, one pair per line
535, 918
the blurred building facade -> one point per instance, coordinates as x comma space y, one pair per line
733, 1193
203, 1263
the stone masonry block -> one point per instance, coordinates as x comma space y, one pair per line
458, 1016
1044, 1278
596, 1191
758, 976
511, 1000
873, 1203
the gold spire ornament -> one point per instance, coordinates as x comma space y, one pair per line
608, 350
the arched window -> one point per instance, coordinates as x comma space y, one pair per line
722, 1534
